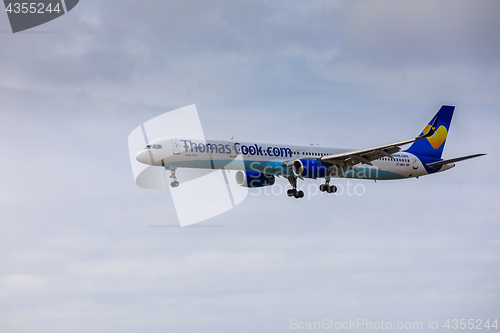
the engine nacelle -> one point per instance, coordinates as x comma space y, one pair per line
253, 179
310, 168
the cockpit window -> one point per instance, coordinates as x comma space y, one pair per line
153, 147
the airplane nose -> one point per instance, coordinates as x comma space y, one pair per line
143, 157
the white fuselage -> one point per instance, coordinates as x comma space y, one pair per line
269, 158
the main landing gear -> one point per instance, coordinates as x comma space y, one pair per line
293, 191
327, 187
174, 182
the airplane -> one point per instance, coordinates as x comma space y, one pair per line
263, 162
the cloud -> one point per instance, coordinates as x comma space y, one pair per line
398, 33
23, 284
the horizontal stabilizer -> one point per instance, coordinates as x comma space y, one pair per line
436, 164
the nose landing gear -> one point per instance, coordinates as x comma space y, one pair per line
327, 187
175, 182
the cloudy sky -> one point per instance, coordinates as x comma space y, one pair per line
78, 250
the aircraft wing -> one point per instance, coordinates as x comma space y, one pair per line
349, 159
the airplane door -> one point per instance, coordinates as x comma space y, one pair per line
233, 151
176, 146
415, 163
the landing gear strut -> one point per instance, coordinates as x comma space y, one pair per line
293, 191
174, 182
327, 187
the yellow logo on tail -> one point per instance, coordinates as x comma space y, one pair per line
437, 139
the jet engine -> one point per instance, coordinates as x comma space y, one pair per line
310, 168
253, 179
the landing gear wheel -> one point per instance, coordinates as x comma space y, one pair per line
328, 188
291, 192
299, 194
175, 183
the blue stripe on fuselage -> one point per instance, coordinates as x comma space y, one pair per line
371, 173
267, 167
277, 168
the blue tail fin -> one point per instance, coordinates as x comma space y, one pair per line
433, 146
